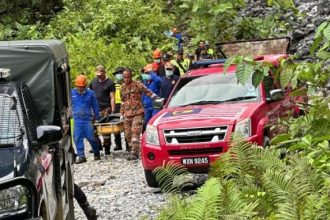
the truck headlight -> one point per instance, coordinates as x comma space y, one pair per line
14, 199
152, 135
244, 128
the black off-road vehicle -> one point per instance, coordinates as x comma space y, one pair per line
36, 178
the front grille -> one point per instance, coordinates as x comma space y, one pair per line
195, 135
216, 150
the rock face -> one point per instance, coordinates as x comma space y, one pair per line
303, 27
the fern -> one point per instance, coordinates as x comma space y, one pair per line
175, 209
232, 202
166, 174
205, 204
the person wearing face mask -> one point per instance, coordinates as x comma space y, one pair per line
156, 56
118, 74
84, 109
164, 59
152, 82
168, 82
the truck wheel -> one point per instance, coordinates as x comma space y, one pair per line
150, 178
266, 142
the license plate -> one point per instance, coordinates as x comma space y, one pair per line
195, 160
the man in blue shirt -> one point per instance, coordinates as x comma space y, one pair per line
168, 81
85, 109
152, 82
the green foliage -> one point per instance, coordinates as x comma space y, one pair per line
167, 174
247, 67
220, 20
17, 16
113, 33
309, 134
249, 182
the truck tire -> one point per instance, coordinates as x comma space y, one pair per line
150, 178
266, 142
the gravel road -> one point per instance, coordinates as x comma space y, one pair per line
117, 188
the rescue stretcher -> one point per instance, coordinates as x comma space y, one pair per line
110, 124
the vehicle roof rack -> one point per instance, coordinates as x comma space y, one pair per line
206, 63
254, 47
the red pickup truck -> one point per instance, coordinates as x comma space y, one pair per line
204, 109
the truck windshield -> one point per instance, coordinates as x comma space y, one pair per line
10, 129
212, 89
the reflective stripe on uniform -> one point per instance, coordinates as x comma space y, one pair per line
184, 63
117, 94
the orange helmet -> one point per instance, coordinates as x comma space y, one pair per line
148, 68
81, 80
156, 54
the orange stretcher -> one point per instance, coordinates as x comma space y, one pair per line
111, 125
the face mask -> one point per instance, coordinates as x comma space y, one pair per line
146, 76
157, 60
119, 76
168, 72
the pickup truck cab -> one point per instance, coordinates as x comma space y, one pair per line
36, 153
204, 109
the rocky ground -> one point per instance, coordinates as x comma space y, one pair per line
117, 188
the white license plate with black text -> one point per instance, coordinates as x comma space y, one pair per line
195, 160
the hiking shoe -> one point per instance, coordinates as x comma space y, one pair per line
81, 160
97, 157
91, 151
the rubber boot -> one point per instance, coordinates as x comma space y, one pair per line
89, 211
118, 142
107, 144
127, 146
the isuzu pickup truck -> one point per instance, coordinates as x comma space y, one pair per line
205, 108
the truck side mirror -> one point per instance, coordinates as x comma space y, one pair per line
49, 134
158, 103
276, 94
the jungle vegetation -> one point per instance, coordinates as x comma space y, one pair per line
247, 182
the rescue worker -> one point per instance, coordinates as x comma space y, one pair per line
118, 74
104, 89
204, 55
209, 50
152, 82
156, 56
164, 59
168, 82
132, 111
85, 109
181, 63
190, 57
176, 34
200, 48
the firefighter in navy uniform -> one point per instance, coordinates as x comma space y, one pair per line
181, 64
